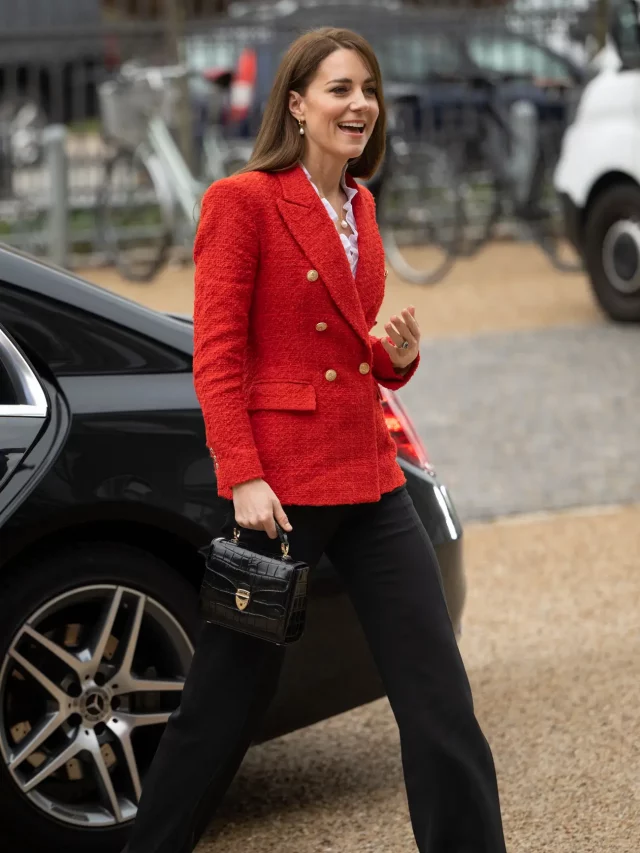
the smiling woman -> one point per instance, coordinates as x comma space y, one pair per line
315, 85
289, 280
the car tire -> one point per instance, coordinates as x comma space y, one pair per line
612, 251
59, 580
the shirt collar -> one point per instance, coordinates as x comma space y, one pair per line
350, 192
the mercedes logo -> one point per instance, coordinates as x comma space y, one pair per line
95, 705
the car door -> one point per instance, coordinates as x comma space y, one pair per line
29, 425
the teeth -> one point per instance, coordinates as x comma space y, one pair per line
351, 124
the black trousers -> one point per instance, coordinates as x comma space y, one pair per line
391, 572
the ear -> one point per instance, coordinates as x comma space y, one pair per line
295, 105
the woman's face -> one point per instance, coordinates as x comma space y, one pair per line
340, 106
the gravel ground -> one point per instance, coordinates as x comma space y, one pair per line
530, 420
552, 648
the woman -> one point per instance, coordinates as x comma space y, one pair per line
289, 279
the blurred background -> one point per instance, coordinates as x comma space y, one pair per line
509, 206
480, 93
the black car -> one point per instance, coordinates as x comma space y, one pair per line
107, 493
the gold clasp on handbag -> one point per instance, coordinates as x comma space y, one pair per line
242, 598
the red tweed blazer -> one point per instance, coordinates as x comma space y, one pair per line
284, 367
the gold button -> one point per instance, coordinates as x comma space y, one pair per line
364, 367
330, 375
312, 275
386, 272
320, 327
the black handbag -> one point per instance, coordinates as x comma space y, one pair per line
255, 592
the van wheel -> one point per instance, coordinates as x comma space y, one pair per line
95, 644
612, 251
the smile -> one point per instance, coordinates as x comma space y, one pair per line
352, 128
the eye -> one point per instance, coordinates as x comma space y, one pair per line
372, 90
339, 89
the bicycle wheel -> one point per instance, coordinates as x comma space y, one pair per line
418, 211
136, 212
543, 215
479, 192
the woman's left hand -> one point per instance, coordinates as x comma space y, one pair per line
404, 328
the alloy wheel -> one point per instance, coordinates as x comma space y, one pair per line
621, 256
86, 688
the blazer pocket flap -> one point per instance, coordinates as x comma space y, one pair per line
282, 394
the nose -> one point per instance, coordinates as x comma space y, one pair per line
359, 101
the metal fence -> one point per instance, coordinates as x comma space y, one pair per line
55, 56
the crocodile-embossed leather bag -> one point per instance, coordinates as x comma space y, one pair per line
256, 593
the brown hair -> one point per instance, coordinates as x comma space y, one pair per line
279, 144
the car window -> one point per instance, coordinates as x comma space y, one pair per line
24, 413
71, 342
506, 55
626, 33
414, 58
409, 58
203, 53
204, 50
8, 393
21, 394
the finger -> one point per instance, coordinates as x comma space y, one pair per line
395, 336
390, 348
404, 332
393, 351
410, 320
409, 331
269, 526
281, 517
406, 323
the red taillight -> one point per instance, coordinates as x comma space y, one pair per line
402, 431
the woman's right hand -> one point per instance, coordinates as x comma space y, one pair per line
256, 505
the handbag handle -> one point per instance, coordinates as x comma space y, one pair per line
284, 541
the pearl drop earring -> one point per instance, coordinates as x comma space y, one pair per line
301, 127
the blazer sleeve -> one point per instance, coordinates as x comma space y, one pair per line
226, 251
383, 368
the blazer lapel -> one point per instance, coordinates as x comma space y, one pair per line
370, 281
311, 227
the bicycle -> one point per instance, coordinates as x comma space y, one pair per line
419, 213
519, 186
150, 198
425, 193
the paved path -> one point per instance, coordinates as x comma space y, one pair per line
532, 420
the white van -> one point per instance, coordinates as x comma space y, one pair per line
598, 173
